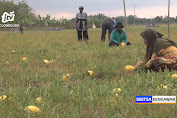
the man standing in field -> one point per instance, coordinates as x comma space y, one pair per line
21, 29
82, 24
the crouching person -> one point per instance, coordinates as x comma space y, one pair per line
118, 36
160, 53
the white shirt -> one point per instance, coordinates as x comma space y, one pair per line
81, 20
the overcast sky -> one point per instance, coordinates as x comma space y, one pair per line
112, 8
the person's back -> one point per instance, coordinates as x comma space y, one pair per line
110, 21
169, 51
107, 25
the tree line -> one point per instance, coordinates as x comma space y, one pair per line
24, 15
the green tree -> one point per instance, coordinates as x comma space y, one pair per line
23, 13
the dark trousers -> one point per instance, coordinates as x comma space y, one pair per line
21, 31
79, 34
107, 25
115, 44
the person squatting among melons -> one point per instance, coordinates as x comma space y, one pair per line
160, 54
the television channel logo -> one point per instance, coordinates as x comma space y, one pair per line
155, 99
8, 17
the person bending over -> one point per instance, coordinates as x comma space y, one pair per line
161, 53
109, 25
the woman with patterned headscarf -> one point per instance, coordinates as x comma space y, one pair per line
160, 53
